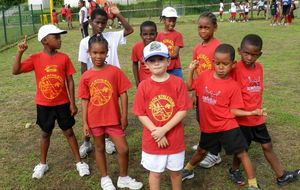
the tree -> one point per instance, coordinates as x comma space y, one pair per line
8, 3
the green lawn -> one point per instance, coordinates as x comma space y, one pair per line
19, 151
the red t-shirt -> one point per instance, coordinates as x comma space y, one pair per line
137, 56
216, 98
204, 53
160, 101
55, 17
63, 11
251, 83
171, 39
50, 74
102, 88
69, 13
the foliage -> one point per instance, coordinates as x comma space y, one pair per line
4, 4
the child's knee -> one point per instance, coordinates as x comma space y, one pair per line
267, 147
69, 133
155, 175
46, 135
123, 150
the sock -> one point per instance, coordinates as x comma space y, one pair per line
189, 167
252, 182
104, 178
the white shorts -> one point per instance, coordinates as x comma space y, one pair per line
159, 162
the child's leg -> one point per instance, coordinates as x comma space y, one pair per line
123, 152
45, 143
100, 155
69, 134
176, 179
197, 156
271, 157
154, 180
245, 160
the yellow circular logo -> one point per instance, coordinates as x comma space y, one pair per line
101, 92
162, 107
204, 63
170, 45
51, 86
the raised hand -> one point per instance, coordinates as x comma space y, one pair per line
22, 46
114, 10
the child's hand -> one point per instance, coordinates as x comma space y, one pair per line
262, 112
194, 65
114, 10
86, 130
73, 109
163, 143
124, 122
22, 46
158, 133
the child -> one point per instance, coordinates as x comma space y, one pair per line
204, 54
221, 9
172, 39
54, 17
98, 22
69, 16
55, 93
148, 33
100, 89
242, 12
83, 19
220, 100
261, 7
249, 74
247, 8
161, 103
63, 13
273, 9
233, 11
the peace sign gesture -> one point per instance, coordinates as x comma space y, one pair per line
22, 46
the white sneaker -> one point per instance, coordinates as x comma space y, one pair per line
128, 182
39, 170
82, 168
109, 146
85, 149
210, 160
106, 183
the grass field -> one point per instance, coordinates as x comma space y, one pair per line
19, 151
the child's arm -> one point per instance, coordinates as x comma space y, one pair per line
127, 27
22, 47
239, 112
84, 107
160, 132
124, 109
83, 67
175, 53
192, 68
70, 87
135, 70
147, 122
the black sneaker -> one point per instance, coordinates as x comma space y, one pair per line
287, 177
187, 174
236, 177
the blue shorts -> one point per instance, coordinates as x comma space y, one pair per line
177, 72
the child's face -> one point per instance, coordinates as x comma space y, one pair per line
170, 23
223, 65
53, 41
99, 24
206, 28
249, 54
98, 53
148, 34
157, 65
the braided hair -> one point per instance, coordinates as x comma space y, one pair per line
98, 38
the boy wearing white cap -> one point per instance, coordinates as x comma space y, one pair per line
172, 39
161, 103
54, 98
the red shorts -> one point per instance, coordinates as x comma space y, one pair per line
233, 14
112, 130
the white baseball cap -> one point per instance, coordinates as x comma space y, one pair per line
49, 29
169, 12
155, 48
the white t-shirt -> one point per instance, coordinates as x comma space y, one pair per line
221, 7
233, 7
85, 14
247, 6
113, 39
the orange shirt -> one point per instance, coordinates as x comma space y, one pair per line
102, 88
50, 74
137, 56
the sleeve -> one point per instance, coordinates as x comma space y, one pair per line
184, 102
119, 38
28, 64
83, 88
134, 56
83, 52
70, 70
179, 40
236, 100
139, 103
158, 37
123, 82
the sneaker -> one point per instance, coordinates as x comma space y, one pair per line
254, 188
288, 176
210, 160
106, 183
236, 177
195, 147
109, 146
39, 170
83, 169
128, 182
187, 174
85, 149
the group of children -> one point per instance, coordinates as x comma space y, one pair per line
282, 10
229, 99
241, 9
66, 16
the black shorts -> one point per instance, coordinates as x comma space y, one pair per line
285, 9
46, 116
232, 141
257, 133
